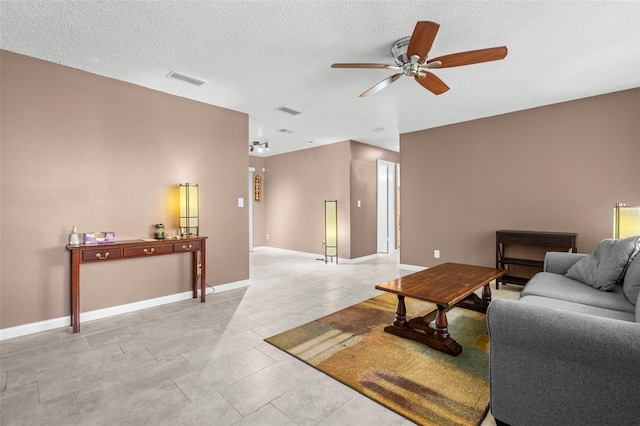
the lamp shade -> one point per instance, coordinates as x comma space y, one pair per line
189, 210
626, 221
330, 230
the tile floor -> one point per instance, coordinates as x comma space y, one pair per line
188, 363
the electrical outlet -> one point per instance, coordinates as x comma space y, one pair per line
436, 254
266, 236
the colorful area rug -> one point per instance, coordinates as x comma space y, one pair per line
419, 383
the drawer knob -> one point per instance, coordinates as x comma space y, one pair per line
101, 257
185, 247
149, 251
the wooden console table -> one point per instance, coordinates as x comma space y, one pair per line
132, 249
553, 241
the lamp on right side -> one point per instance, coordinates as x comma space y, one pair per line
626, 220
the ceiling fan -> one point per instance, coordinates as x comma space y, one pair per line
410, 56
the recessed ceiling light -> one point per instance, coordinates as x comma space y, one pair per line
288, 132
379, 129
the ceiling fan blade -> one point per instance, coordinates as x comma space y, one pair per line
432, 83
471, 57
422, 39
381, 66
384, 83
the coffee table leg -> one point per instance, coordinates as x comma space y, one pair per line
422, 330
476, 303
401, 313
442, 324
486, 295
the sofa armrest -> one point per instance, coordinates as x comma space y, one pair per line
560, 262
552, 366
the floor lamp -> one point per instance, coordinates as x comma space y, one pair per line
330, 231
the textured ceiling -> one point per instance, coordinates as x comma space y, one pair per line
259, 55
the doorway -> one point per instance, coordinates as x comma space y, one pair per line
386, 206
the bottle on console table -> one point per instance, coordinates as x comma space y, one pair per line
74, 237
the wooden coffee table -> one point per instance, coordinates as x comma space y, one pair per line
447, 285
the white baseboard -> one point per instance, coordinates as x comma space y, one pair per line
293, 252
360, 259
36, 327
413, 267
319, 256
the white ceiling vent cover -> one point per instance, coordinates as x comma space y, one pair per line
288, 110
186, 78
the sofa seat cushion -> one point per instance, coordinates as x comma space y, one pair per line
555, 286
579, 307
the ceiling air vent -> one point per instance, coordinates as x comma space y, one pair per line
287, 131
186, 78
288, 110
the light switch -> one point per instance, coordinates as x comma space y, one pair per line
358, 203
240, 202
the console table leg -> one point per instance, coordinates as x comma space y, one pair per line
203, 271
194, 274
75, 290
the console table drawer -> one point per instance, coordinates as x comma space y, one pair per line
148, 250
537, 240
186, 246
101, 254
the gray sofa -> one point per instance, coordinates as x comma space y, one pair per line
566, 353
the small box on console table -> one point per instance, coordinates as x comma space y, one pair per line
99, 237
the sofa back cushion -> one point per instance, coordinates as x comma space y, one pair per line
607, 264
631, 284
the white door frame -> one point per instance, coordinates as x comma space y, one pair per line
386, 206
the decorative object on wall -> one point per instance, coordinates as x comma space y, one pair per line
189, 216
330, 243
626, 220
258, 146
257, 188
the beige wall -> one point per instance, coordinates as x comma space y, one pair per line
258, 206
364, 173
554, 168
101, 154
297, 184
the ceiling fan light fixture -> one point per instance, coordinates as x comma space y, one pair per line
399, 51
